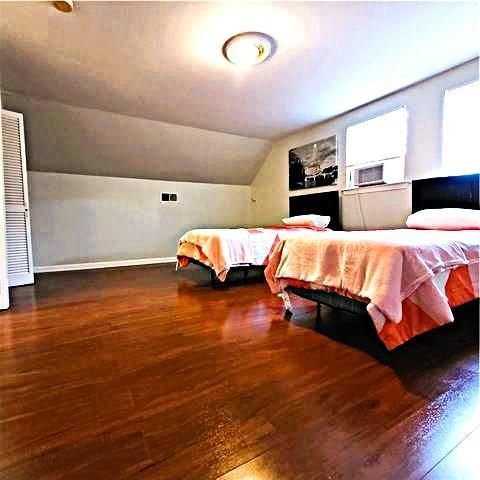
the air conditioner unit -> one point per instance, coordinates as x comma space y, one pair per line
371, 175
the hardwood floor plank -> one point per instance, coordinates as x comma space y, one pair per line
148, 373
110, 455
334, 447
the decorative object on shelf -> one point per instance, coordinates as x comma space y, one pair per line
313, 165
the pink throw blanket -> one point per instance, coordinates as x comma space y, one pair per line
224, 248
382, 268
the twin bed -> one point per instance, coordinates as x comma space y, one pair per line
407, 280
224, 249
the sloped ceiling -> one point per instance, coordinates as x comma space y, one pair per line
162, 61
67, 139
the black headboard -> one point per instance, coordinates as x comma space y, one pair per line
446, 192
326, 203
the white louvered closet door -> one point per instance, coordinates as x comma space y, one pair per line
19, 242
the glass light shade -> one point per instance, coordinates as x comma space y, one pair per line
249, 48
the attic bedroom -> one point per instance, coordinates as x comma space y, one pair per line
239, 241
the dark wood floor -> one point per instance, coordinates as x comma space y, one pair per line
145, 373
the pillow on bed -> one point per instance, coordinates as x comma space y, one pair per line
445, 219
307, 221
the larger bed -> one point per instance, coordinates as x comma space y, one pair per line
407, 280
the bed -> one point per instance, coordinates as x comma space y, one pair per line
222, 250
407, 281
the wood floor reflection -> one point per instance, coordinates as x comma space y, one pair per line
148, 373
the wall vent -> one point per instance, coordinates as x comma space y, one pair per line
168, 197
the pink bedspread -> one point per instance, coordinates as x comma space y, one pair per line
224, 248
382, 268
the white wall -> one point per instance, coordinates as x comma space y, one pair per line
424, 103
4, 296
78, 218
386, 206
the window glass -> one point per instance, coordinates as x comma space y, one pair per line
381, 141
461, 122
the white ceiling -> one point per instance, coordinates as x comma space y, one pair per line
163, 61
66, 139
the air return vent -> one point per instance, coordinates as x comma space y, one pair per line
168, 197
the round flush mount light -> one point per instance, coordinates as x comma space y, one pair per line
248, 48
65, 6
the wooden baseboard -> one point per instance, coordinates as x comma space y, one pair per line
108, 264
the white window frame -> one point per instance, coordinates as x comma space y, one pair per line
395, 178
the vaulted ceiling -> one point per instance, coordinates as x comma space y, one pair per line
162, 60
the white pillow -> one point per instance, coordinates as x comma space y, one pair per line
311, 220
445, 219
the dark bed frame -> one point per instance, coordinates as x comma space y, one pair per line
214, 282
325, 203
443, 192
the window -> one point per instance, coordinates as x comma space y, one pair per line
460, 151
379, 143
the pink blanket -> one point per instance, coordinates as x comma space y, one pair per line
382, 268
224, 248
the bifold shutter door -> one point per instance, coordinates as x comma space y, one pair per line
19, 255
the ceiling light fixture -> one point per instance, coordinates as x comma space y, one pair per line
248, 48
65, 6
